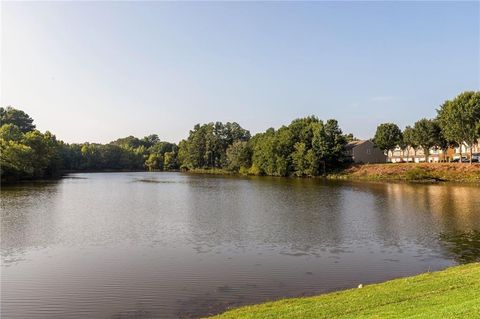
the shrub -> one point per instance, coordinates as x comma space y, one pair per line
418, 174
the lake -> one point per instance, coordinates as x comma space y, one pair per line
175, 245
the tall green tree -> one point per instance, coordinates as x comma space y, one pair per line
238, 156
28, 155
350, 138
150, 140
129, 142
15, 157
441, 142
335, 141
19, 118
387, 137
154, 162
300, 159
170, 161
207, 144
426, 135
46, 159
264, 156
459, 119
410, 141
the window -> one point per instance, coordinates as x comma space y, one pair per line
369, 151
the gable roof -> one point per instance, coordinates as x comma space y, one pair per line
354, 144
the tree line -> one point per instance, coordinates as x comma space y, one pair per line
306, 147
457, 123
26, 153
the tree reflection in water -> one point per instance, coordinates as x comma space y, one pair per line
464, 246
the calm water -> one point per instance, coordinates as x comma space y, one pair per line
169, 245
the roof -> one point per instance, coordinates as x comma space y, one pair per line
354, 144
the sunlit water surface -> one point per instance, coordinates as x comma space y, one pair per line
173, 245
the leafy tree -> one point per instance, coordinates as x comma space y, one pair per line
350, 138
45, 158
302, 129
183, 155
11, 132
15, 157
129, 142
114, 157
162, 148
300, 148
264, 158
238, 155
410, 141
195, 148
16, 117
154, 162
426, 135
316, 156
459, 119
91, 156
28, 155
328, 144
300, 160
231, 132
170, 161
312, 163
335, 141
207, 144
15, 160
441, 142
387, 137
150, 140
283, 147
71, 155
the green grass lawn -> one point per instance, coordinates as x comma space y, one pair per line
452, 293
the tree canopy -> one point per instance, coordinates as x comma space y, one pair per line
207, 144
307, 146
459, 119
20, 119
26, 153
387, 136
426, 135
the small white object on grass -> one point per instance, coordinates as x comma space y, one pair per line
360, 286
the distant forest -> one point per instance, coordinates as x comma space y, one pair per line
300, 148
306, 147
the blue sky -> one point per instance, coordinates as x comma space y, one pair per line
97, 71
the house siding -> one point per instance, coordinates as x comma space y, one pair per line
366, 152
435, 155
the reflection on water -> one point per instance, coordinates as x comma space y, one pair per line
464, 247
150, 245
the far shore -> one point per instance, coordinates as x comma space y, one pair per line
411, 172
428, 172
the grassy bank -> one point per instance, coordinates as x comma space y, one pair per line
456, 172
214, 171
452, 293
448, 172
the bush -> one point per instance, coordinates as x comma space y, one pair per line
418, 174
254, 170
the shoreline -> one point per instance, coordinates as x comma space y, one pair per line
412, 172
450, 293
388, 172
383, 172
